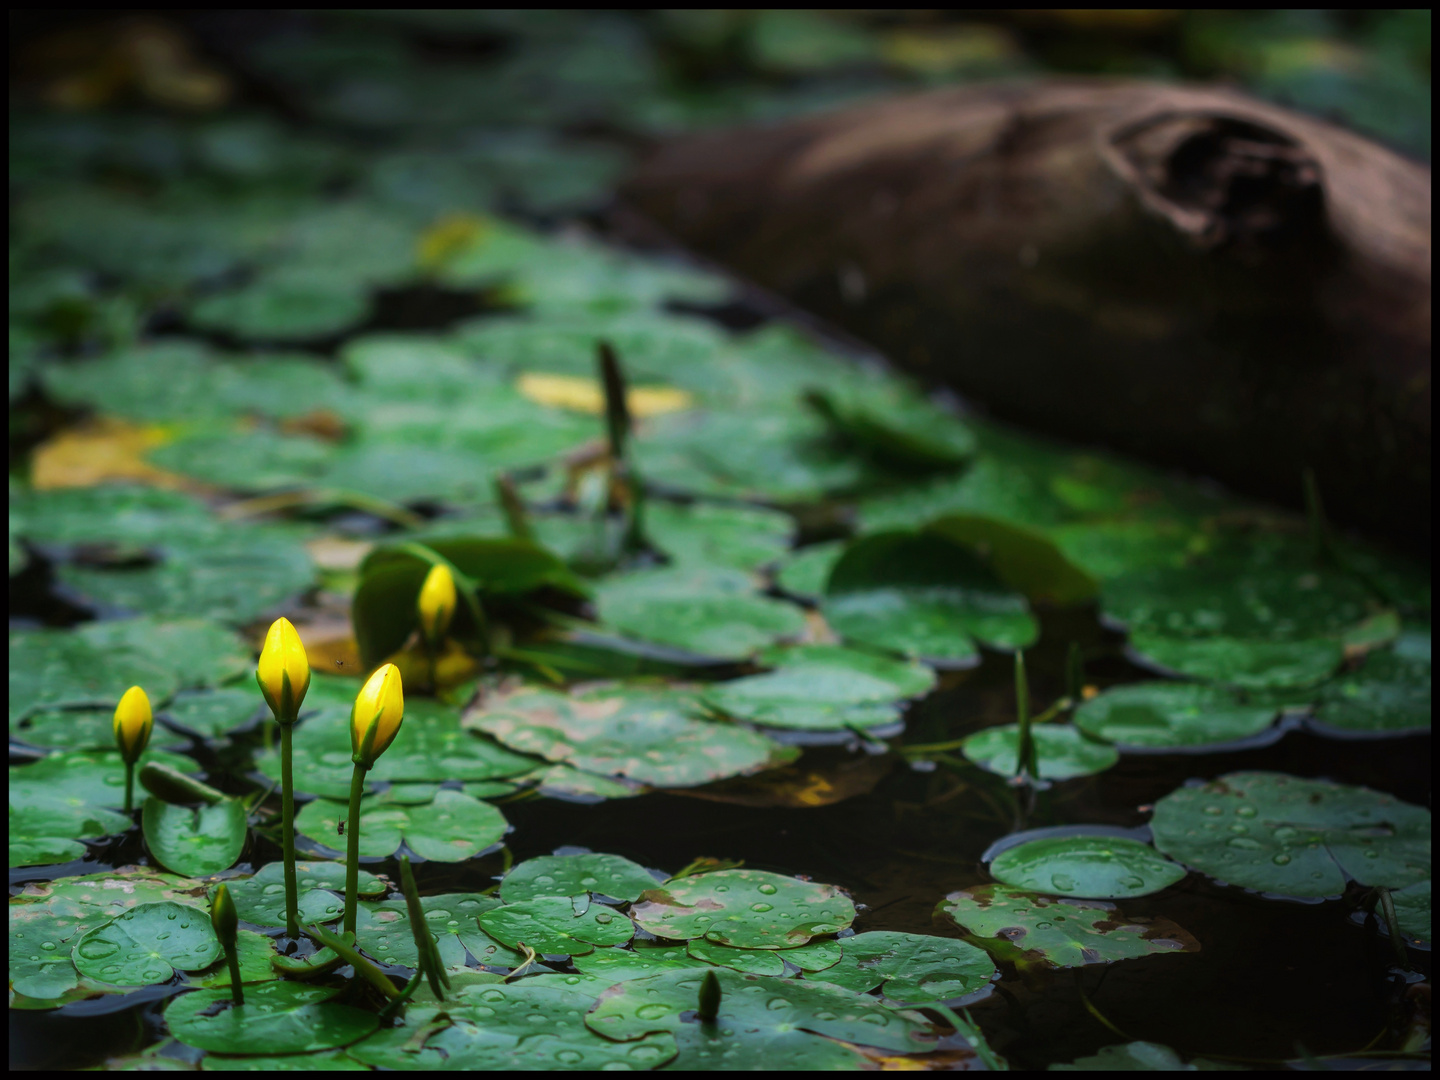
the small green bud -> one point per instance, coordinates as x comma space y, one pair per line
223, 917
709, 1007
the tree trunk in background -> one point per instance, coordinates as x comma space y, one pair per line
1183, 274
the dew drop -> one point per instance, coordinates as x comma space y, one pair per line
603, 917
760, 907
1281, 860
1064, 882
1132, 882
652, 1012
1044, 926
569, 1057
767, 889
645, 1053
1245, 843
1246, 811
1213, 810
48, 946
777, 1003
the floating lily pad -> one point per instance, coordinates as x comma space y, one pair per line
95, 663
1249, 663
384, 931
644, 733
326, 1060
255, 952
707, 612
704, 535
753, 961
805, 573
278, 1017
551, 924
95, 777
1158, 715
431, 747
1093, 867
1390, 693
755, 1003
452, 828
80, 729
925, 596
892, 422
524, 1026
823, 687
705, 1047
909, 968
1023, 558
213, 713
636, 962
284, 306
196, 841
1019, 926
569, 875
41, 936
749, 909
1412, 910
1062, 752
144, 945
1295, 837
321, 886
577, 785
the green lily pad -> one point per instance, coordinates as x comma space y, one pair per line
551, 924
890, 421
823, 687
755, 1003
805, 573
1021, 927
80, 729
1023, 558
195, 841
1282, 834
1412, 910
249, 461
1158, 715
707, 612
706, 535
278, 1017
1092, 867
571, 875
1129, 1057
144, 945
636, 962
384, 931
749, 909
213, 713
254, 951
496, 1029
93, 777
909, 968
577, 785
705, 1047
326, 1060
1061, 751
754, 961
41, 936
260, 899
643, 733
431, 747
452, 828
1390, 693
1248, 663
114, 891
818, 955
925, 596
284, 305
95, 663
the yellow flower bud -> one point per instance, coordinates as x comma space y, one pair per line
437, 602
284, 671
375, 719
223, 916
133, 721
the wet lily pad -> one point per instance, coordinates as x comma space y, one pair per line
95, 663
255, 952
712, 1048
890, 421
822, 687
644, 733
1248, 663
1023, 558
1390, 693
144, 945
42, 934
749, 909
753, 961
1412, 910
278, 1017
571, 875
1157, 715
1026, 928
384, 931
1062, 752
704, 534
755, 1003
924, 596
1282, 834
909, 968
260, 899
707, 612
452, 828
637, 962
213, 713
196, 841
431, 746
1093, 867
805, 573
551, 924
81, 729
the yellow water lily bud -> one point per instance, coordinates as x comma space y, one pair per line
223, 916
133, 721
284, 671
375, 719
437, 602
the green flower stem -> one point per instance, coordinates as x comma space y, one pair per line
287, 829
352, 848
364, 968
398, 1003
429, 962
129, 786
1025, 758
232, 958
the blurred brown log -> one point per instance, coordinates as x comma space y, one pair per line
1184, 274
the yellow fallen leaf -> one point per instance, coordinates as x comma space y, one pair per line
103, 451
448, 237
579, 394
